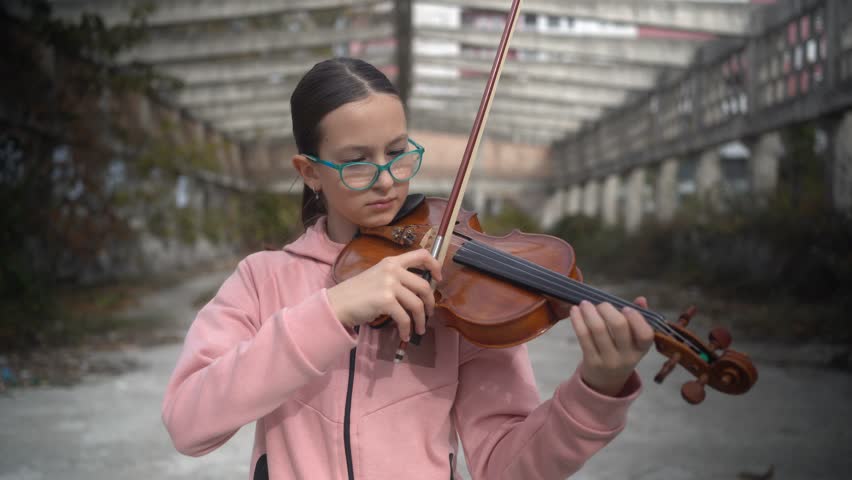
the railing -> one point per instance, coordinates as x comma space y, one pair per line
797, 67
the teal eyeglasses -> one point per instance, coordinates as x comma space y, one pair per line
363, 175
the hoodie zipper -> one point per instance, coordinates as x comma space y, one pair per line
347, 445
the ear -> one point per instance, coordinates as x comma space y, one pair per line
308, 170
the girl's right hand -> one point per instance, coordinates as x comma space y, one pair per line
388, 288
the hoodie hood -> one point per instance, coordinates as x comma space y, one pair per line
315, 244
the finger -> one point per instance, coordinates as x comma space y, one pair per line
402, 320
641, 301
619, 328
421, 258
414, 306
641, 331
584, 336
421, 287
600, 333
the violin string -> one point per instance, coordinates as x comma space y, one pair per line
558, 288
566, 283
570, 285
563, 282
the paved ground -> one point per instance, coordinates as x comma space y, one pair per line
796, 420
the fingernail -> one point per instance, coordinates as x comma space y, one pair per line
585, 303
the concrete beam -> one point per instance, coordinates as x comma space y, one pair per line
169, 12
268, 69
473, 88
632, 50
492, 129
724, 18
543, 114
273, 134
236, 125
215, 113
279, 103
557, 125
543, 129
203, 47
544, 108
233, 93
197, 97
629, 77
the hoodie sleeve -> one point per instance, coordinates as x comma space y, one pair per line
508, 434
235, 368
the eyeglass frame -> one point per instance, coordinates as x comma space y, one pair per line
380, 168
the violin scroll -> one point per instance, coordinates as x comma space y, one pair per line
712, 364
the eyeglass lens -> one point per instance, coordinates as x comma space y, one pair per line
362, 175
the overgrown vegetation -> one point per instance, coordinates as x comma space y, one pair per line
790, 252
81, 182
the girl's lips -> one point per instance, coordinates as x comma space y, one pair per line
381, 204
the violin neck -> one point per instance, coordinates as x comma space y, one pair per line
534, 277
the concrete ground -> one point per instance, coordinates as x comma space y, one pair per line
795, 420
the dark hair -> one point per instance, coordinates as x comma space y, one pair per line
327, 86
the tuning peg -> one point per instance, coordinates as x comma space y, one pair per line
693, 392
686, 316
667, 368
720, 339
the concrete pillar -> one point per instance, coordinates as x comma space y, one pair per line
634, 188
591, 198
554, 209
480, 199
609, 202
708, 177
842, 165
667, 190
765, 160
575, 199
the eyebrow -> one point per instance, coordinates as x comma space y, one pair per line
361, 148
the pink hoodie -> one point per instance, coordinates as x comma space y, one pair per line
268, 349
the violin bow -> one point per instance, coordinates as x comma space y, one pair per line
448, 221
440, 247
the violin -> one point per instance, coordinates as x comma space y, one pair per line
503, 291
499, 292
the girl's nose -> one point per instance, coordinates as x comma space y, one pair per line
385, 180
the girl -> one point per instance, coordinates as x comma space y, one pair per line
281, 344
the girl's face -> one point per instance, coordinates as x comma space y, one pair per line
370, 130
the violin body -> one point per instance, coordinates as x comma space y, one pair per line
487, 311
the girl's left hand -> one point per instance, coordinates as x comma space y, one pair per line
612, 342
